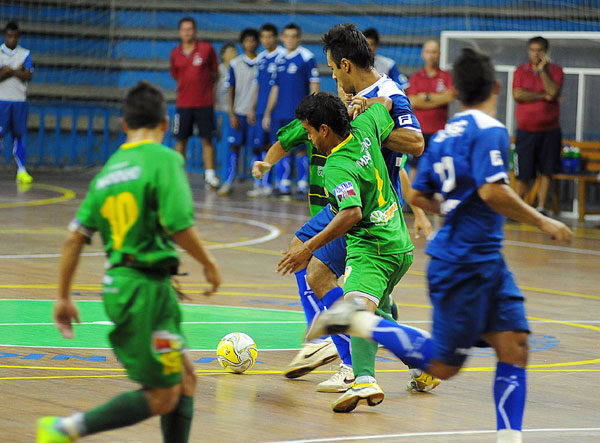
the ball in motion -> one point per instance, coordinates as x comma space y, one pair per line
236, 352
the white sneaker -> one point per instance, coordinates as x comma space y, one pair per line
211, 181
338, 382
370, 393
225, 190
310, 357
259, 192
335, 320
421, 383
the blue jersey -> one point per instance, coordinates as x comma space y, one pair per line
265, 76
469, 152
403, 117
295, 72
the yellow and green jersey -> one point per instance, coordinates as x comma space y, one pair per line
356, 175
137, 201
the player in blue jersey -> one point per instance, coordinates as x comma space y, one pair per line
385, 65
473, 293
296, 77
265, 79
16, 70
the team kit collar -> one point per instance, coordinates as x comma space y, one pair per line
373, 86
7, 51
342, 144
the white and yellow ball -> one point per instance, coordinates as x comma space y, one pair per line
237, 352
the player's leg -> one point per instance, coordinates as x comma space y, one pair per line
205, 122
182, 129
235, 139
549, 162
19, 129
524, 161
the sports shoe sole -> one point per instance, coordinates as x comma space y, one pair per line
350, 404
299, 372
335, 389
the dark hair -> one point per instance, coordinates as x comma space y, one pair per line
474, 76
248, 32
540, 40
269, 27
293, 26
372, 34
325, 108
225, 47
188, 19
11, 26
144, 106
346, 41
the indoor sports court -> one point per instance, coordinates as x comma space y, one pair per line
44, 374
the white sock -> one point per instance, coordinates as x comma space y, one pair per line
415, 372
363, 379
73, 426
209, 174
508, 436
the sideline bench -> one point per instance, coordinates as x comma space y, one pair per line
590, 173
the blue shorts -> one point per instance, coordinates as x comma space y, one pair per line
244, 136
333, 254
261, 137
13, 118
470, 299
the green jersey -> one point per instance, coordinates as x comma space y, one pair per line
356, 175
137, 201
293, 135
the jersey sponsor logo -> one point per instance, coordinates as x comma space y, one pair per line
496, 158
405, 119
454, 129
441, 87
124, 175
197, 61
347, 272
344, 190
292, 68
381, 218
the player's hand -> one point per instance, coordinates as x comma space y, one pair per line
251, 118
266, 123
357, 106
557, 230
6, 69
294, 259
64, 312
260, 168
422, 224
213, 276
234, 122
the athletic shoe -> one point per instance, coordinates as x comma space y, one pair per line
225, 190
422, 383
369, 392
47, 432
338, 382
24, 177
211, 182
335, 320
259, 192
310, 357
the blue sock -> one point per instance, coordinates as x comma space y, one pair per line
232, 165
342, 344
310, 303
510, 389
19, 152
284, 172
332, 296
302, 171
413, 346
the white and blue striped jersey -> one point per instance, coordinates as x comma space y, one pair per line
295, 72
242, 72
469, 152
13, 89
266, 71
387, 66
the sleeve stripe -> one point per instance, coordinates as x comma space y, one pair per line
499, 176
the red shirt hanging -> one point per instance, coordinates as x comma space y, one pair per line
194, 74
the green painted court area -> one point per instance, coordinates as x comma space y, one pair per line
29, 323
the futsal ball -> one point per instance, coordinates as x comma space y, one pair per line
236, 352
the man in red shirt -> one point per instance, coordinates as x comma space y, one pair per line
430, 92
536, 88
194, 65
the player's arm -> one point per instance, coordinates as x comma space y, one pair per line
234, 122
431, 100
502, 199
252, 113
271, 102
421, 223
314, 87
296, 257
428, 202
24, 74
189, 240
524, 96
551, 87
406, 141
6, 72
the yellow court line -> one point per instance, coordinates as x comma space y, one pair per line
185, 285
67, 194
58, 368
557, 292
43, 377
577, 325
34, 231
253, 294
583, 233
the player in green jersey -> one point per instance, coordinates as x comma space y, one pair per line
138, 202
367, 212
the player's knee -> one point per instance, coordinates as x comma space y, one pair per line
163, 400
514, 350
189, 381
442, 371
319, 277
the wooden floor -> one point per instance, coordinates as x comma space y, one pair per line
560, 283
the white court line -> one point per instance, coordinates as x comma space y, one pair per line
109, 323
75, 348
430, 434
551, 247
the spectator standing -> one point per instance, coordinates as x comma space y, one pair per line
385, 65
227, 53
16, 70
194, 65
266, 71
240, 84
536, 89
297, 76
430, 92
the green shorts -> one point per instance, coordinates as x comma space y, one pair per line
375, 276
147, 336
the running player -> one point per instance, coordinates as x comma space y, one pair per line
473, 293
137, 202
